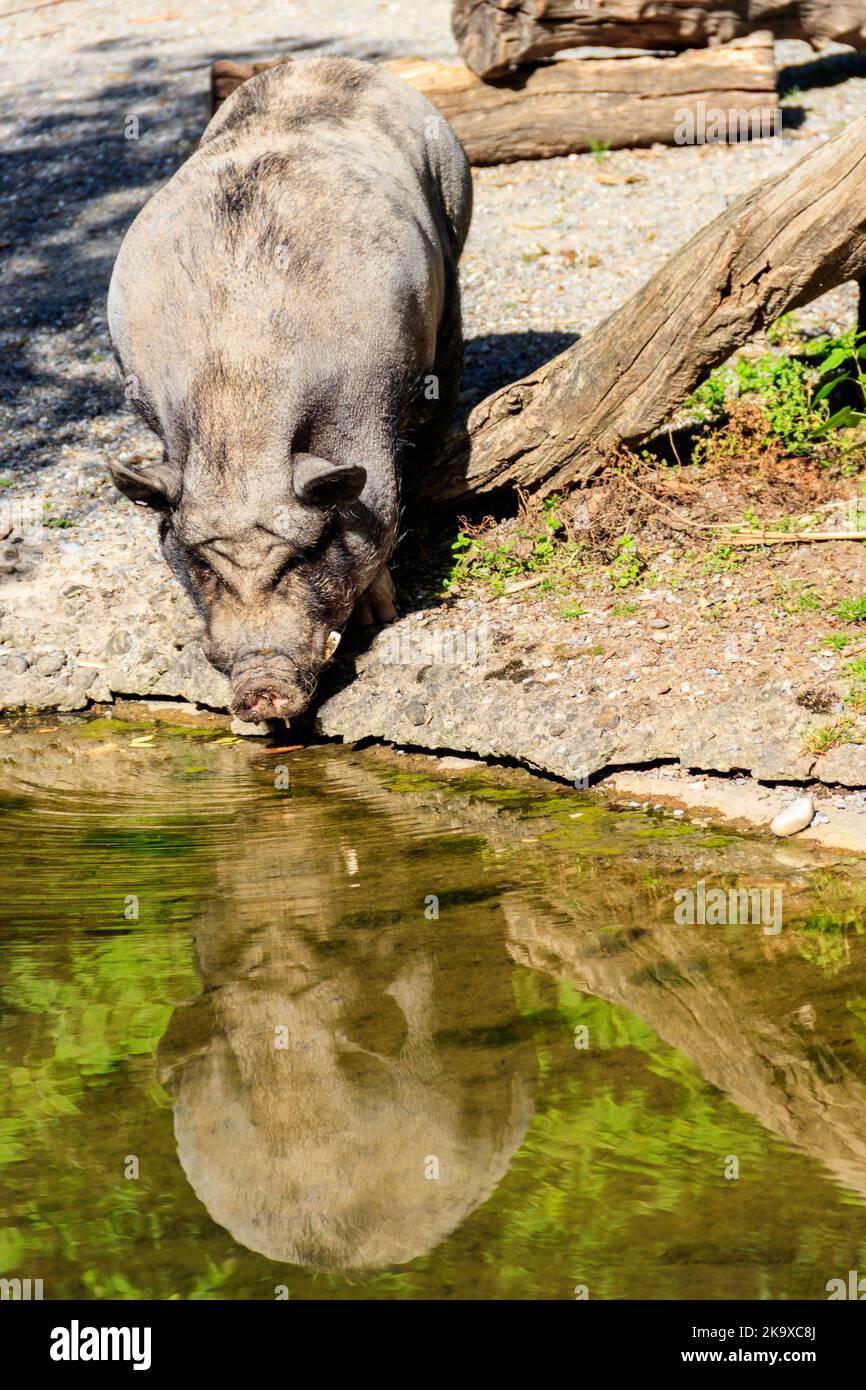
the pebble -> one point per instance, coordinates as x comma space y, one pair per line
14, 661
793, 818
416, 712
248, 730
48, 663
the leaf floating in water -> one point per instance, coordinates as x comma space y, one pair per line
292, 748
233, 739
143, 742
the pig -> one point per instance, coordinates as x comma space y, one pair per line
285, 313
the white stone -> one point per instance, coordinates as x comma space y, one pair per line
795, 817
246, 730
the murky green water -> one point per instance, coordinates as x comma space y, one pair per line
242, 993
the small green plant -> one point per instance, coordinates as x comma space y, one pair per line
599, 150
822, 737
572, 610
625, 608
721, 560
809, 601
781, 384
852, 610
856, 696
793, 392
844, 363
708, 401
627, 565
838, 641
536, 544
791, 599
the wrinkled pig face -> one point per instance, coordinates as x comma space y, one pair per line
274, 583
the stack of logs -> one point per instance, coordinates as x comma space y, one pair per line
510, 102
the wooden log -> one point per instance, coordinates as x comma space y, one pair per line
570, 106
778, 247
496, 35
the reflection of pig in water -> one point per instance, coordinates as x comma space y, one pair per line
285, 312
321, 1153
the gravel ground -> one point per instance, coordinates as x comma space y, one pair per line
91, 611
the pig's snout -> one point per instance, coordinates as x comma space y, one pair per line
266, 686
256, 705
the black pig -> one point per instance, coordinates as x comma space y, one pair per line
285, 312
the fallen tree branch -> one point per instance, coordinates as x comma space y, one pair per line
790, 537
778, 247
495, 35
524, 584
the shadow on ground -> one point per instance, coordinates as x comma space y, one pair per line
71, 181
826, 71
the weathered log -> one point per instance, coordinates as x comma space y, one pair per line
778, 247
495, 35
570, 106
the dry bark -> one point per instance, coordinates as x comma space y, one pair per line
779, 246
495, 35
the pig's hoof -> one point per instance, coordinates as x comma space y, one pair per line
376, 604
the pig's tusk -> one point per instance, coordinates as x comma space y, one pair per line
332, 644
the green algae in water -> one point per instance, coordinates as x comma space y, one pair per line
102, 728
526, 1013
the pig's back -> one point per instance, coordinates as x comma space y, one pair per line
327, 203
352, 118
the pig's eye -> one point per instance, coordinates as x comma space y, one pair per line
305, 555
202, 570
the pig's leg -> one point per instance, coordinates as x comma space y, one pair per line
376, 604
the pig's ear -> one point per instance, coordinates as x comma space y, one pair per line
319, 483
153, 484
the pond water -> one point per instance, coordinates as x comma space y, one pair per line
327, 1024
